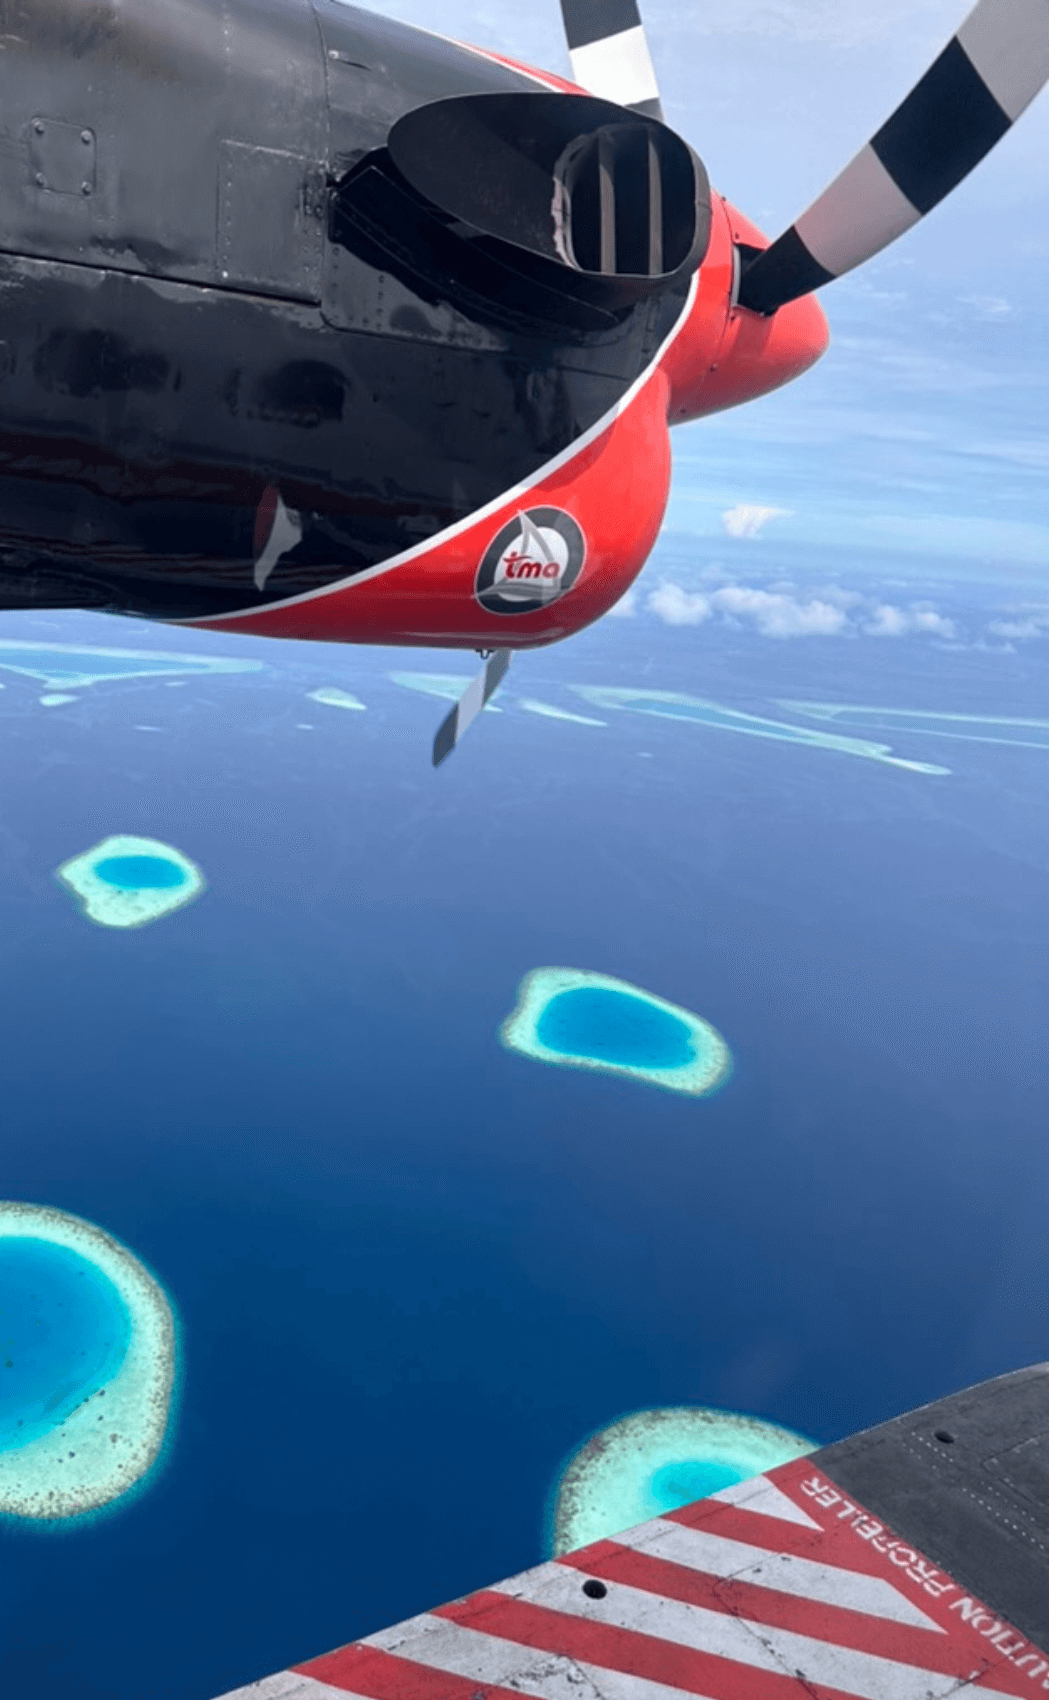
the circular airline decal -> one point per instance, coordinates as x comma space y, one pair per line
532, 561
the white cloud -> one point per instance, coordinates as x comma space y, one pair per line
679, 607
775, 613
888, 621
747, 521
988, 306
780, 613
1034, 624
834, 593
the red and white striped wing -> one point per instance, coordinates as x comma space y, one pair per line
780, 1589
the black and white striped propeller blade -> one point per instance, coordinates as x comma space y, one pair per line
966, 101
609, 53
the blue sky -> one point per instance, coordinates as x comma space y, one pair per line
918, 446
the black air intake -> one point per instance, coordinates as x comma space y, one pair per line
583, 201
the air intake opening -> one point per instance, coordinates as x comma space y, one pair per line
625, 203
587, 199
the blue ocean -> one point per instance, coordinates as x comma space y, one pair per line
412, 1270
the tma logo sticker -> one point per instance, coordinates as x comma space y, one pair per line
531, 562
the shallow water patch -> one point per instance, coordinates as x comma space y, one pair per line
656, 1461
580, 1019
128, 881
87, 1365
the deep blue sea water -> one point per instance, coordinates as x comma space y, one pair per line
140, 873
414, 1270
614, 1027
64, 1332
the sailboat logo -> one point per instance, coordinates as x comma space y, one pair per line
531, 562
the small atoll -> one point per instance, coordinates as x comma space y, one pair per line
579, 1019
87, 1365
1026, 733
678, 705
549, 711
655, 1461
73, 666
333, 697
126, 881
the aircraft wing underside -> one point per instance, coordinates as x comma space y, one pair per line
909, 1562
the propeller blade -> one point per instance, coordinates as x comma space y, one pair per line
609, 53
470, 704
966, 101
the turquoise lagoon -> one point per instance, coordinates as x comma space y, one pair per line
333, 697
64, 1332
69, 666
581, 1019
615, 1027
141, 873
679, 705
655, 1461
127, 881
1027, 734
87, 1365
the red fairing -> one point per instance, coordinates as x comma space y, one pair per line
592, 521
726, 355
557, 552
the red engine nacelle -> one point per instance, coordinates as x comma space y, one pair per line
611, 486
725, 355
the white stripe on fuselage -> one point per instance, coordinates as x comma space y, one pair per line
506, 498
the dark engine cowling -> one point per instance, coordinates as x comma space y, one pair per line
575, 206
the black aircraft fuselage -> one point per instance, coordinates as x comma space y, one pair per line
254, 246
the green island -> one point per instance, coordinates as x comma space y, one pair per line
127, 881
655, 1461
87, 1365
579, 1019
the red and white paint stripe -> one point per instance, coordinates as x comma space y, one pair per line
780, 1589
